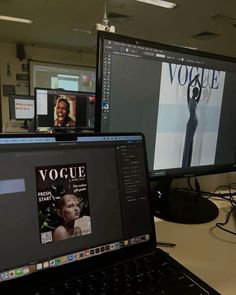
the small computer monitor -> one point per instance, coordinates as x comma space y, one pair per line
62, 110
21, 107
183, 100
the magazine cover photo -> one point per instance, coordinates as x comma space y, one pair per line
65, 111
63, 202
190, 103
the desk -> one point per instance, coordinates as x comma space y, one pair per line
14, 126
207, 251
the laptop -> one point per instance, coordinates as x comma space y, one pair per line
76, 218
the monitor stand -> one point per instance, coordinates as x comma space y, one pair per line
181, 205
25, 124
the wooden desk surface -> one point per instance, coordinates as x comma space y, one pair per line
207, 251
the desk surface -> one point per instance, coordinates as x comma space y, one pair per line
207, 251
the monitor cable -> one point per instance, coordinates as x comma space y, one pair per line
228, 197
222, 224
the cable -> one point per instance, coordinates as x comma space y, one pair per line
221, 224
229, 196
189, 183
198, 190
197, 186
233, 202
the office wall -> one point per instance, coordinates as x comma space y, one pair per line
14, 73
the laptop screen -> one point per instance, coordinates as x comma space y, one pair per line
66, 201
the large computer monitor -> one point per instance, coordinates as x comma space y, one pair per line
21, 107
183, 101
62, 110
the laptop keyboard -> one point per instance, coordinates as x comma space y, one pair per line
141, 276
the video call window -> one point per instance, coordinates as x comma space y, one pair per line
60, 109
65, 110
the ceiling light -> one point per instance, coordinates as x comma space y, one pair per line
161, 3
16, 19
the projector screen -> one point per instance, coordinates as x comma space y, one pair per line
62, 76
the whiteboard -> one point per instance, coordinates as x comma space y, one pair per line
61, 76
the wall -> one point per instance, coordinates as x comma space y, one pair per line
13, 71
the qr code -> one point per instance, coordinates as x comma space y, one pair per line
46, 237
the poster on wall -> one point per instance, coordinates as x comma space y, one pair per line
22, 83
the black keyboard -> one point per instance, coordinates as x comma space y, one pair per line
141, 276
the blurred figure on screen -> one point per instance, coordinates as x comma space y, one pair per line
62, 114
192, 101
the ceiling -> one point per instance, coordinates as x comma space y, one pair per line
208, 25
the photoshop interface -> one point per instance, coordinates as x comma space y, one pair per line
110, 174
136, 97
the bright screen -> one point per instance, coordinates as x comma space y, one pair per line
64, 110
55, 75
21, 107
182, 100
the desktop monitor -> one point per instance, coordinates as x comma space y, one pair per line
62, 110
21, 107
183, 100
